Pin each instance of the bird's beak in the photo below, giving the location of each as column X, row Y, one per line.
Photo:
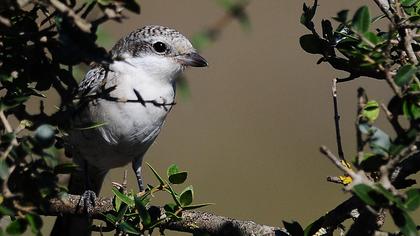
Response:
column 192, row 59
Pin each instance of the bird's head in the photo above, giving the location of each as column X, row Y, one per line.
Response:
column 158, row 50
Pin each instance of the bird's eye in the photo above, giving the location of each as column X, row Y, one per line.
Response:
column 159, row 47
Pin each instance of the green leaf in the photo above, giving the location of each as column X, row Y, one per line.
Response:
column 4, row 211
column 127, row 228
column 170, row 207
column 411, row 109
column 404, row 222
column 294, row 228
column 365, row 193
column 111, row 218
column 121, row 212
column 408, row 3
column 161, row 181
column 187, row 196
column 17, row 226
column 172, row 169
column 195, row 206
column 311, row 229
column 142, row 210
column 341, row 16
column 35, row 222
column 308, row 14
column 178, row 178
column 124, row 198
column 174, row 195
column 312, row 44
column 371, row 110
column 361, row 20
column 413, row 199
column 132, row 6
column 405, row 74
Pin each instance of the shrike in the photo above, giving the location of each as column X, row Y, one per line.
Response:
column 129, row 99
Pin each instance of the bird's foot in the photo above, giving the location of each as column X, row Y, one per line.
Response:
column 87, row 202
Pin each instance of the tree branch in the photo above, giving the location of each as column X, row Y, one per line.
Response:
column 192, row 221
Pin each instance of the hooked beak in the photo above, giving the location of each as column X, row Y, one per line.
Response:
column 192, row 59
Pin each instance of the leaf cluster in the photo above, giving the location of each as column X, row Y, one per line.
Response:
column 355, row 44
column 133, row 213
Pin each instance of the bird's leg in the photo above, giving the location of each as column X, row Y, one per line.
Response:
column 136, row 163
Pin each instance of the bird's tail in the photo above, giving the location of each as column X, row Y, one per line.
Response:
column 85, row 178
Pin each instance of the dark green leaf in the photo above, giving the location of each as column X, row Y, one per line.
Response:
column 404, row 222
column 361, row 20
column 411, row 109
column 308, row 14
column 35, row 222
column 111, row 218
column 132, row 6
column 161, row 181
column 142, row 210
column 294, row 228
column 341, row 16
column 312, row 44
column 178, row 178
column 127, row 228
column 174, row 195
column 413, row 199
column 121, row 212
column 365, row 193
column 170, row 207
column 4, row 211
column 186, row 197
column 124, row 198
column 17, row 226
column 405, row 74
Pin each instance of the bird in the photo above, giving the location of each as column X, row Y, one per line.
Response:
column 126, row 101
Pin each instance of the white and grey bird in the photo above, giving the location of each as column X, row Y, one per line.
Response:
column 131, row 98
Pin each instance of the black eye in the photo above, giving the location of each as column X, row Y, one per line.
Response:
column 159, row 47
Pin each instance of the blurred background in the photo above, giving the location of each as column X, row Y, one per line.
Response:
column 250, row 130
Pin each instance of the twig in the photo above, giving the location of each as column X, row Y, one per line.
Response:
column 80, row 22
column 324, row 150
column 385, row 8
column 391, row 82
column 405, row 33
column 393, row 120
column 361, row 102
column 337, row 121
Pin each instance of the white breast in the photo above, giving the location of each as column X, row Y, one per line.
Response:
column 129, row 127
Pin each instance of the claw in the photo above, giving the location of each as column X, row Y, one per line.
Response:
column 87, row 202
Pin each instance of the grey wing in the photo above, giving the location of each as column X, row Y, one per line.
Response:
column 93, row 81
